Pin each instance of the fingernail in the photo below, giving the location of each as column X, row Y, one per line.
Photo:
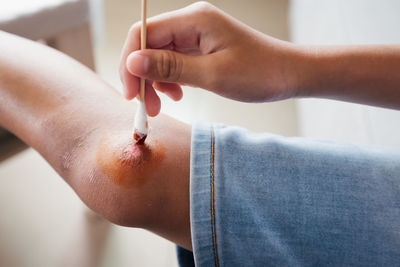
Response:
column 137, row 64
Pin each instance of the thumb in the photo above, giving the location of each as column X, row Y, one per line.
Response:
column 168, row 66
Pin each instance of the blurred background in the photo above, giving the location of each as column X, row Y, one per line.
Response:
column 43, row 223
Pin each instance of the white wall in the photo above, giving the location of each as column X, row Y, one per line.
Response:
column 347, row 22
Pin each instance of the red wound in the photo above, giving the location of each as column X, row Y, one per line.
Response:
column 139, row 138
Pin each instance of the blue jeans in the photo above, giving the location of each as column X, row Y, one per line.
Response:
column 266, row 200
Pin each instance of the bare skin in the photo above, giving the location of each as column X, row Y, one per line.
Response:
column 83, row 128
column 204, row 47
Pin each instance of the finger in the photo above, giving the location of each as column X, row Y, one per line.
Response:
column 129, row 82
column 132, row 43
column 172, row 67
column 152, row 100
column 172, row 90
column 169, row 28
column 131, row 85
column 180, row 27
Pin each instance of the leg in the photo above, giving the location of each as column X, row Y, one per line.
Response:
column 83, row 128
column 77, row 43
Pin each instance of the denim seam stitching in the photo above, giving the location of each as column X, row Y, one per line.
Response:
column 212, row 197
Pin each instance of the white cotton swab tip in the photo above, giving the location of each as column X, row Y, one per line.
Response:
column 141, row 124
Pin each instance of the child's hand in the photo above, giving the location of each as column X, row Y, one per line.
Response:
column 201, row 46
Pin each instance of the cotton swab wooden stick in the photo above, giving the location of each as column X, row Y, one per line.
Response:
column 141, row 124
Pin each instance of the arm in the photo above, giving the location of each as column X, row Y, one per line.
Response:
column 202, row 46
column 365, row 74
column 83, row 128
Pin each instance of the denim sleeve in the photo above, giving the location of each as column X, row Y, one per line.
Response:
column 265, row 200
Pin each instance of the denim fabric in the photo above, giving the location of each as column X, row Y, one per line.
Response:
column 266, row 200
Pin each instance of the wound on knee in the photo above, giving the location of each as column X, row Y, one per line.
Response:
column 126, row 163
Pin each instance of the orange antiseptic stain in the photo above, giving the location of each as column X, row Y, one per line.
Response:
column 126, row 163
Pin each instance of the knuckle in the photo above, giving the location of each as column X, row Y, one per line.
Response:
column 169, row 66
column 202, row 12
column 203, row 6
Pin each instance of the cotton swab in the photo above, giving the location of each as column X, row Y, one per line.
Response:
column 141, row 124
